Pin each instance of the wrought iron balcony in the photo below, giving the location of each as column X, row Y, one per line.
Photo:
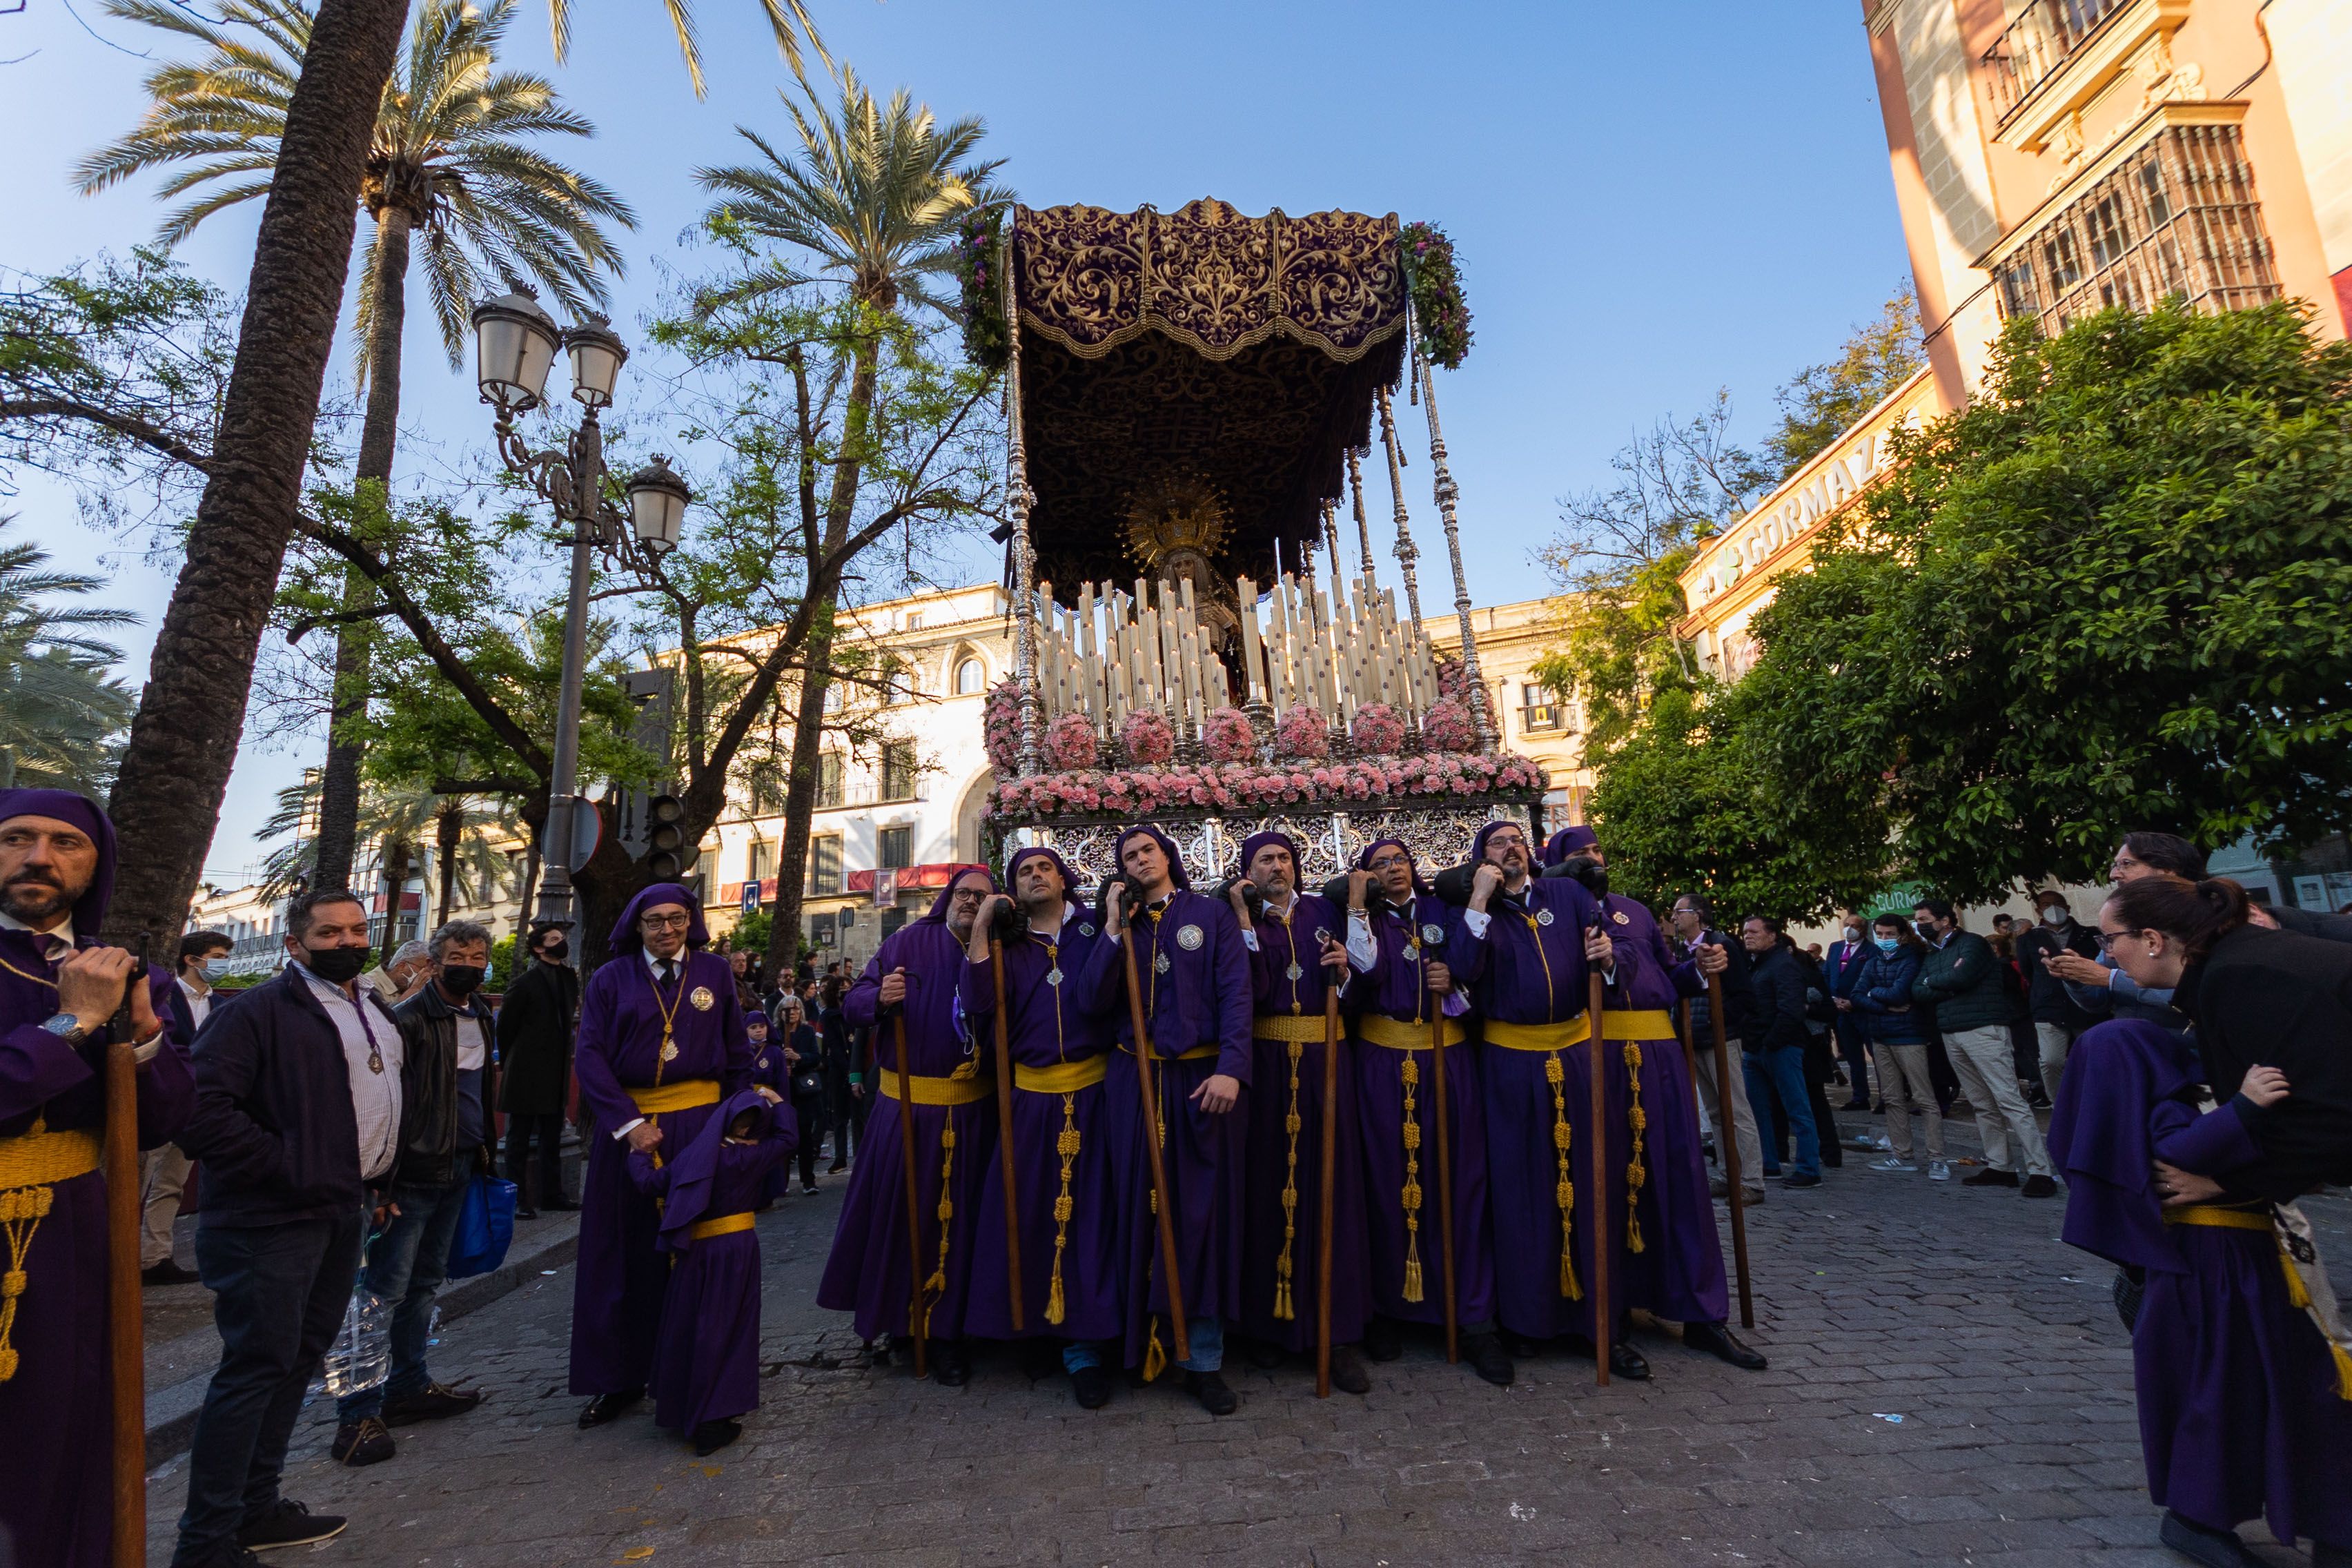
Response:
column 2036, row 43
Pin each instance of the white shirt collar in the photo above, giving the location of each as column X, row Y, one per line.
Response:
column 678, row 958
column 47, row 939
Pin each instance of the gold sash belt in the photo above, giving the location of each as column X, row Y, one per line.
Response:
column 1062, row 1078
column 2227, row 1220
column 1380, row 1029
column 686, row 1094
column 725, row 1225
column 1537, row 1036
column 1198, row 1053
column 1289, row 1027
column 31, row 1166
column 45, row 1159
column 938, row 1090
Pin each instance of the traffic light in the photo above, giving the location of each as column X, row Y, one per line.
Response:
column 668, row 854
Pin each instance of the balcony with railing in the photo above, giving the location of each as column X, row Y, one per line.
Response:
column 2036, row 42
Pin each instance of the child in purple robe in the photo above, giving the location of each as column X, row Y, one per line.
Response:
column 706, row 1355
column 769, row 1072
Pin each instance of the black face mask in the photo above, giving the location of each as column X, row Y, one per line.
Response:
column 556, row 952
column 462, row 979
column 336, row 966
column 1588, row 874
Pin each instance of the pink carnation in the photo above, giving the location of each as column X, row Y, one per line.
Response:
column 1302, row 734
column 1070, row 743
column 1226, row 736
column 1147, row 738
column 1378, row 731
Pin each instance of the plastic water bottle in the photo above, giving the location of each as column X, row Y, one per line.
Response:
column 362, row 1354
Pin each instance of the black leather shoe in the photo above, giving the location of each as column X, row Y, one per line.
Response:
column 713, row 1436
column 609, row 1407
column 2040, row 1187
column 1988, row 1177
column 287, row 1523
column 951, row 1363
column 1717, row 1340
column 1347, row 1375
column 1627, row 1362
column 1486, row 1358
column 1210, row 1389
column 1090, row 1387
column 431, row 1403
column 1798, row 1179
column 1384, row 1339
column 361, row 1443
column 524, row 1212
column 168, row 1273
column 2201, row 1543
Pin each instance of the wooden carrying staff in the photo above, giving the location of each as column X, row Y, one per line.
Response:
column 1151, row 1146
column 1604, row 1320
column 914, row 1204
column 1727, row 1130
column 126, row 1335
column 1323, row 1206
column 1444, row 1169
column 1005, row 1139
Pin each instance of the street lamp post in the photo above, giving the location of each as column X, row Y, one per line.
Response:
column 515, row 344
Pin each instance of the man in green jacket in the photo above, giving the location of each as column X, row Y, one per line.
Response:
column 1960, row 978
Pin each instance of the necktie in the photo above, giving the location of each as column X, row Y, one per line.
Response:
column 668, row 971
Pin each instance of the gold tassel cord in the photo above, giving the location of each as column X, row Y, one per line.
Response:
column 1637, row 1120
column 1555, row 1075
column 1413, row 1288
column 1284, row 1301
column 937, row 1285
column 1155, row 1355
column 1066, row 1146
column 21, row 1213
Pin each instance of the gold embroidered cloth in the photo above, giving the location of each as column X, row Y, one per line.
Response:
column 1206, row 345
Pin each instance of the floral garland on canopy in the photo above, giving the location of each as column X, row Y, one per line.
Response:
column 987, row 340
column 1229, row 786
column 1440, row 315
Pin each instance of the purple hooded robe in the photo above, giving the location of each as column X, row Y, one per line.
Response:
column 56, row 1440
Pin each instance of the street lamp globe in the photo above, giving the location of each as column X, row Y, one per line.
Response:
column 514, row 345
column 658, row 499
column 596, row 353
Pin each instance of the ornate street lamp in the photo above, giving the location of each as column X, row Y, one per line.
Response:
column 515, row 343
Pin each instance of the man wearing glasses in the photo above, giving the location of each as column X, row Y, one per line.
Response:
column 661, row 1043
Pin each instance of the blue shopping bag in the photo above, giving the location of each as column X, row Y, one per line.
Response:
column 485, row 1228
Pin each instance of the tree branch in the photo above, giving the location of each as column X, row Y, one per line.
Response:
column 152, row 437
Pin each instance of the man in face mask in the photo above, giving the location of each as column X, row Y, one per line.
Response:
column 297, row 1126
column 163, row 1173
column 445, row 1137
column 1841, row 968
column 535, row 1062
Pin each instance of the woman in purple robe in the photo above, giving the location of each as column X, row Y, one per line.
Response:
column 57, row 874
column 1295, row 959
column 1193, row 973
column 1069, row 1259
column 661, row 1045
column 913, row 978
column 1397, row 945
column 707, row 1362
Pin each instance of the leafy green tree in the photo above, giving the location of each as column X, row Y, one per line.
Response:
column 61, row 714
column 1821, row 402
column 2109, row 595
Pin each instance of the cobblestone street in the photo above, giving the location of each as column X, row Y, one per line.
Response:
column 1948, row 1384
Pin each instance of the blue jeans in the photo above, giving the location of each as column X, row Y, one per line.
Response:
column 1776, row 1082
column 278, row 1294
column 1206, row 1336
column 406, row 1262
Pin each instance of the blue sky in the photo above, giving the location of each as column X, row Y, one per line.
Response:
column 1649, row 200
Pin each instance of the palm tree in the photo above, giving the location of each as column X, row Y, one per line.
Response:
column 183, row 737
column 468, row 834
column 873, row 197
column 446, row 161
column 61, row 715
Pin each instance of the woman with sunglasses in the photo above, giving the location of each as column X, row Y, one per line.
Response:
column 2241, row 1365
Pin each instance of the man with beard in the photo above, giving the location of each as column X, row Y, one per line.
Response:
column 1295, row 958
column 914, row 977
column 1524, row 946
column 1397, row 935
column 1192, row 971
column 661, row 1044
column 61, row 992
column 1069, row 1263
column 1669, row 1258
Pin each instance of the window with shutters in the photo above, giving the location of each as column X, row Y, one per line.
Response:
column 824, row 864
column 828, row 778
column 895, row 847
column 899, row 770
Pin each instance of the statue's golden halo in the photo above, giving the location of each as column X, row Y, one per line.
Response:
column 1174, row 513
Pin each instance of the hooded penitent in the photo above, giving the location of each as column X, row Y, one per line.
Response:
column 625, row 936
column 65, row 806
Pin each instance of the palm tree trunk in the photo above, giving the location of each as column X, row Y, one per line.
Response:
column 783, row 953
column 338, row 784
column 183, row 742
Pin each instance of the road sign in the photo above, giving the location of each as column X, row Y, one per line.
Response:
column 587, row 831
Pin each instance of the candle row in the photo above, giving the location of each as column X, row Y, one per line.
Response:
column 1338, row 652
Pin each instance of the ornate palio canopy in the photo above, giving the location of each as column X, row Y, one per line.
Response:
column 1200, row 356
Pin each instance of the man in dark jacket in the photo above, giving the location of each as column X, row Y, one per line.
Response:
column 1774, row 1050
column 298, row 1111
column 1841, row 968
column 535, row 1021
column 446, row 1138
column 1692, row 919
column 2056, row 1018
column 1960, row 979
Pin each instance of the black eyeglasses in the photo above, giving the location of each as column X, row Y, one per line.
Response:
column 2108, row 939
column 665, row 923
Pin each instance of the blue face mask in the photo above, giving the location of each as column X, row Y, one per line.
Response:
column 216, row 968
column 1886, row 943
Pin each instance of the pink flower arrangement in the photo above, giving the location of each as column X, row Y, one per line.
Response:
column 1226, row 736
column 1378, row 731
column 1233, row 785
column 1147, row 739
column 1452, row 678
column 1448, row 727
column 1070, row 743
column 1302, row 734
column 1000, row 727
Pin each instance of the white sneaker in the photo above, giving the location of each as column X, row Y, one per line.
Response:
column 1892, row 1163
column 1938, row 1172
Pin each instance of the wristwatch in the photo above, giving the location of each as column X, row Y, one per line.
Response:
column 66, row 1027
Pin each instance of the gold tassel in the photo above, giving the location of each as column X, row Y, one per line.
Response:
column 1285, row 1309
column 2297, row 1295
column 1412, row 1195
column 21, row 1211
column 1555, row 1075
column 1155, row 1358
column 1637, row 1172
column 937, row 1285
column 2343, row 1371
column 1066, row 1146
